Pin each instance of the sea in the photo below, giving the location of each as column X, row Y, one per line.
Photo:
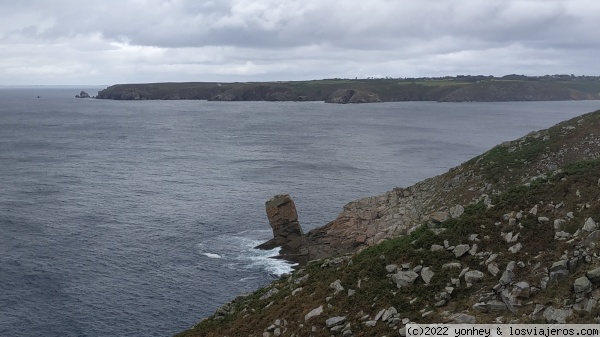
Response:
column 139, row 218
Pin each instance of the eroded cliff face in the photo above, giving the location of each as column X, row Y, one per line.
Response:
column 372, row 220
column 345, row 96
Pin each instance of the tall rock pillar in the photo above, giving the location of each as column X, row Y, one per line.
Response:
column 287, row 232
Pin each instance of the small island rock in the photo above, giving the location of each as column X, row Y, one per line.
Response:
column 83, row 94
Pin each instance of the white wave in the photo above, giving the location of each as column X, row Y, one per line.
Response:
column 265, row 259
column 212, row 255
column 241, row 254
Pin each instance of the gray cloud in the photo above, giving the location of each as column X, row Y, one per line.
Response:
column 178, row 40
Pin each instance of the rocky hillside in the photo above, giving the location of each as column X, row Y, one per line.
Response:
column 509, row 236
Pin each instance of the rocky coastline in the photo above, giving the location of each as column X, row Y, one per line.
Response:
column 509, row 236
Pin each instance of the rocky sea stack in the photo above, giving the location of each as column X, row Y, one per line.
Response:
column 511, row 236
column 83, row 94
column 287, row 232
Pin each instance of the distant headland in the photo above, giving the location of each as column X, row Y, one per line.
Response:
column 462, row 88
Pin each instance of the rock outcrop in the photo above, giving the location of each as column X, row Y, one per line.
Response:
column 83, row 94
column 287, row 232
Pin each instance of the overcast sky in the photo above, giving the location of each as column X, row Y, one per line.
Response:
column 131, row 41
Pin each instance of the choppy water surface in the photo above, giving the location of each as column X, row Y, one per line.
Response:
column 139, row 218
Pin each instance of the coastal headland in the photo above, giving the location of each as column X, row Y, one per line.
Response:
column 372, row 90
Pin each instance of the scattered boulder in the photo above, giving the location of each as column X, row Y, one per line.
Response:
column 554, row 316
column 314, row 313
column 473, row 276
column 404, row 278
column 559, row 271
column 461, row 318
column 594, row 276
column 461, row 250
column 333, row 321
column 490, row 306
column 507, row 277
column 515, row 248
column 590, row 225
column 439, row 217
column 582, row 286
column 456, row 211
column 391, row 268
column 436, row 248
column 493, row 269
column 336, row 286
column 591, row 240
column 521, row 290
column 268, row 294
column 388, row 313
column 427, row 274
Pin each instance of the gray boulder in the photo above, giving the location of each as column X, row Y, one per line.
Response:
column 507, row 277
column 404, row 278
column 427, row 274
column 333, row 321
column 461, row 250
column 582, row 286
column 554, row 316
column 515, row 248
column 314, row 313
column 591, row 239
column 473, row 276
column 435, row 248
column 493, row 269
column 389, row 313
column 336, row 286
column 461, row 318
column 590, row 225
column 521, row 290
column 390, row 268
column 594, row 275
column 559, row 271
column 456, row 211
column 490, row 306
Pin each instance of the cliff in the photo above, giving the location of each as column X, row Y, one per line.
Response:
column 447, row 89
column 509, row 236
column 344, row 96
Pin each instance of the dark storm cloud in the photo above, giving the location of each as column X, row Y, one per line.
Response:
column 143, row 40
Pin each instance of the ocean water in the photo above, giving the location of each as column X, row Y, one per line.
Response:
column 139, row 218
